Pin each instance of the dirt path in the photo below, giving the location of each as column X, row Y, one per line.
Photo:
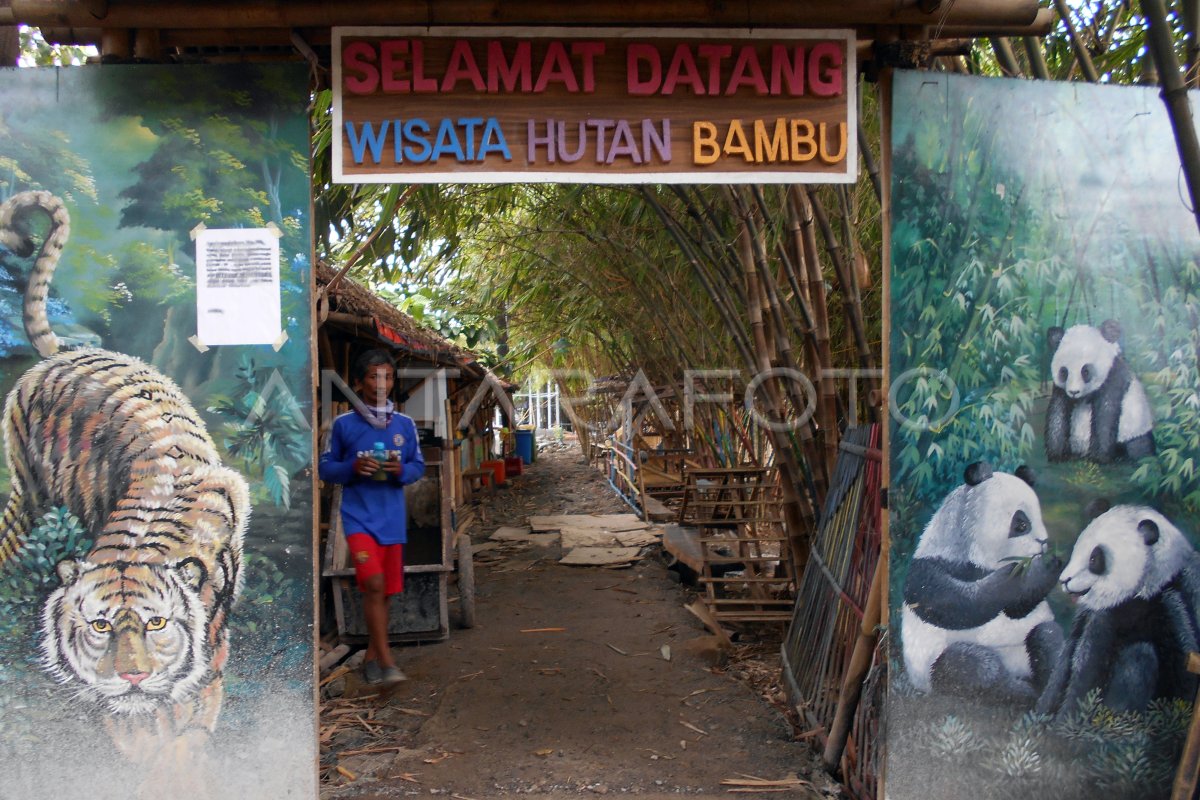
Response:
column 593, row 708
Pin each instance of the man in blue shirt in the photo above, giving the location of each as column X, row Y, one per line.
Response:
column 374, row 452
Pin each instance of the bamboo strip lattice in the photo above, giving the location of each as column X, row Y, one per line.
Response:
column 832, row 595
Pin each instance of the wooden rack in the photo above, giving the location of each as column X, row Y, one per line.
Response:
column 746, row 569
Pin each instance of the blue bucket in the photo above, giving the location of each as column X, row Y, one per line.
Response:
column 525, row 445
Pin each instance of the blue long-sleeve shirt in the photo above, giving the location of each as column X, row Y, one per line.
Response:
column 368, row 505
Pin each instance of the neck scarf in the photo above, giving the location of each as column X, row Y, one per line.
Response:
column 378, row 417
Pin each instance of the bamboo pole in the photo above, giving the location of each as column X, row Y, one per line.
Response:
column 809, row 276
column 864, row 150
column 1082, row 56
column 1037, row 57
column 786, row 359
column 850, row 299
column 856, row 673
column 806, row 331
column 1187, row 774
column 1042, row 25
column 1191, row 26
column 1174, row 94
column 789, row 473
column 1006, row 57
column 885, row 167
column 312, row 13
column 813, row 272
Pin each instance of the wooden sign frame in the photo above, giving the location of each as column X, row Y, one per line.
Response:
column 594, row 105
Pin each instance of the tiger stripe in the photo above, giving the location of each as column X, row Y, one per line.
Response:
column 119, row 445
column 37, row 325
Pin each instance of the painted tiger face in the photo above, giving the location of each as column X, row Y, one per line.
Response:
column 128, row 636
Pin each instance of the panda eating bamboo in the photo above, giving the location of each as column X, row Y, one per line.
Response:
column 975, row 618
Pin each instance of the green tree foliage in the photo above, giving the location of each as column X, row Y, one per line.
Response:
column 1111, row 34
column 1168, row 297
column 962, row 310
column 265, row 429
column 29, row 576
column 36, row 52
column 224, row 168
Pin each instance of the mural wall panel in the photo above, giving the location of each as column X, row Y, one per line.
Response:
column 156, row 574
column 1045, row 442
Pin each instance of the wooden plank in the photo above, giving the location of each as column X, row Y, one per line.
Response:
column 655, row 510
column 684, row 544
column 733, row 601
column 736, row 539
column 704, row 614
column 337, row 555
column 591, row 537
column 744, row 579
column 332, row 657
column 599, row 556
column 607, row 522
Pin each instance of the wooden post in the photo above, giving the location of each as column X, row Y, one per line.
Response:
column 856, row 673
column 10, row 41
column 147, row 45
column 886, row 76
column 1187, row 775
column 116, row 44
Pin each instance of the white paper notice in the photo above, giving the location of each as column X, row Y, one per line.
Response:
column 237, row 286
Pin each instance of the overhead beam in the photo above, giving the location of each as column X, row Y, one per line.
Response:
column 282, row 37
column 1041, row 25
column 234, row 14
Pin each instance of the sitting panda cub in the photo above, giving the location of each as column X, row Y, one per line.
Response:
column 975, row 618
column 1136, row 581
column 1098, row 409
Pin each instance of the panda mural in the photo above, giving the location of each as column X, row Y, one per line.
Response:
column 1136, row 580
column 1098, row 409
column 975, row 618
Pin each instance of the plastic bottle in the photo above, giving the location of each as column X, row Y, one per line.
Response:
column 379, row 453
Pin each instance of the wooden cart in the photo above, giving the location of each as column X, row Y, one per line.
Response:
column 436, row 555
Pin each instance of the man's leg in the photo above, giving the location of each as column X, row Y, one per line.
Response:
column 375, row 612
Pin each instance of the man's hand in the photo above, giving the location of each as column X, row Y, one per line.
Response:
column 365, row 466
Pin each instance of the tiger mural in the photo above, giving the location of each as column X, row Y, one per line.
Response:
column 139, row 624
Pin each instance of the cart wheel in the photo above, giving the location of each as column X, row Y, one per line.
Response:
column 466, row 581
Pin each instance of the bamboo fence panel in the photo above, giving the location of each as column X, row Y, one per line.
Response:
column 832, row 595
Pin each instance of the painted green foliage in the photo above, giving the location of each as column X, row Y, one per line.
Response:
column 159, row 154
column 1018, row 206
column 1010, row 219
column 141, row 156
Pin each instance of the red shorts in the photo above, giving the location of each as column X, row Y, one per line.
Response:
column 372, row 558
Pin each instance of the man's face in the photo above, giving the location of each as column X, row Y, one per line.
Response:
column 377, row 385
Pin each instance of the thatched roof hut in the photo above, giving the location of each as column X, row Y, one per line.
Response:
column 343, row 303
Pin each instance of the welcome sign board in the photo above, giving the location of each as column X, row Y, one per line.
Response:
column 424, row 105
